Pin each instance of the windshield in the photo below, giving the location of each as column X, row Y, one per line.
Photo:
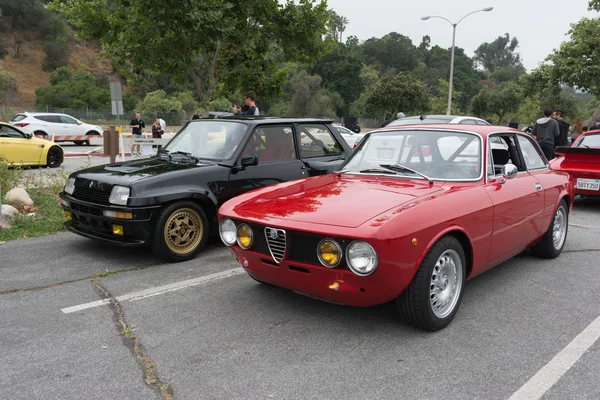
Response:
column 213, row 140
column 439, row 155
column 590, row 140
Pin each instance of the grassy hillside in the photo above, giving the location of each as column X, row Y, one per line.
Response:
column 27, row 68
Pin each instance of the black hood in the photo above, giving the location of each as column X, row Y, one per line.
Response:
column 129, row 172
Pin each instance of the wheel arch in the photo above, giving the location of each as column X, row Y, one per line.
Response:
column 207, row 203
column 464, row 240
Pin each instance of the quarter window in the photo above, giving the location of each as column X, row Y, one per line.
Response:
column 317, row 141
column 532, row 157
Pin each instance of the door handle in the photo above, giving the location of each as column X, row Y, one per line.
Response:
column 538, row 186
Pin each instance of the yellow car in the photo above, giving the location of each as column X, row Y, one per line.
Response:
column 24, row 149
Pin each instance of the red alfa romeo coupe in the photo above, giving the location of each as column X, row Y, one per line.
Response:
column 396, row 223
column 582, row 161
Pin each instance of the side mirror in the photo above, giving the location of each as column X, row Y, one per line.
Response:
column 29, row 135
column 79, row 123
column 248, row 161
column 509, row 171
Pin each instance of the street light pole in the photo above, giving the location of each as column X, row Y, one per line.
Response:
column 448, row 111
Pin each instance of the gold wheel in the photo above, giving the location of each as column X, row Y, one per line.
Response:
column 183, row 231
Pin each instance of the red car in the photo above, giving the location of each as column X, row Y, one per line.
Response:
column 398, row 225
column 582, row 161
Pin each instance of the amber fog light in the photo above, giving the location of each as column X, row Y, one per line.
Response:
column 245, row 236
column 329, row 253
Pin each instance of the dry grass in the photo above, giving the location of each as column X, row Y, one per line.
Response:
column 28, row 67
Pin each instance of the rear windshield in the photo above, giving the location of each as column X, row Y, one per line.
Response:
column 18, row 118
column 418, row 121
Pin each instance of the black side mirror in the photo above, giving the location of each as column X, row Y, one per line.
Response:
column 248, row 161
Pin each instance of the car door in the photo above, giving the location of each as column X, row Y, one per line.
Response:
column 538, row 168
column 518, row 202
column 277, row 160
column 69, row 126
column 17, row 148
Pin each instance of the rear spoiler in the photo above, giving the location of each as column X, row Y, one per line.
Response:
column 578, row 150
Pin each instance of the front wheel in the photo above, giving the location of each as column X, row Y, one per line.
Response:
column 55, row 157
column 553, row 242
column 433, row 297
column 181, row 232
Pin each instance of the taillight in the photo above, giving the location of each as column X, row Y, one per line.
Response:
column 22, row 124
column 354, row 146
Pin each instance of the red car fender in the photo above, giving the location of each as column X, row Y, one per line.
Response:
column 441, row 234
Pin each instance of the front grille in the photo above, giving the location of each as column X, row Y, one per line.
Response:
column 91, row 195
column 276, row 241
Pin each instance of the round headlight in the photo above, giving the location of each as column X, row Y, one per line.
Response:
column 329, row 253
column 361, row 258
column 227, row 231
column 245, row 237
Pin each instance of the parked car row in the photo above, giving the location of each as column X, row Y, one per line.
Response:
column 408, row 216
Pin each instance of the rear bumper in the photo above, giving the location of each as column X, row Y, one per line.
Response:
column 89, row 221
column 314, row 281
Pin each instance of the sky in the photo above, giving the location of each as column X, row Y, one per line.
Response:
column 539, row 25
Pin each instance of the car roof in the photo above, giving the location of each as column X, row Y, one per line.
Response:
column 266, row 120
column 442, row 117
column 483, row 130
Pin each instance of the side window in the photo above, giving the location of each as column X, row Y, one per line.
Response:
column 468, row 122
column 490, row 161
column 271, row 144
column 533, row 159
column 316, row 141
column 10, row 132
column 504, row 151
column 67, row 120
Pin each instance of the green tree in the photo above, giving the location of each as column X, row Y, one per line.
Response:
column 393, row 51
column 205, row 41
column 158, row 104
column 577, row 61
column 340, row 69
column 310, row 100
column 7, row 82
column 439, row 103
column 499, row 101
column 498, row 54
column 402, row 92
column 80, row 90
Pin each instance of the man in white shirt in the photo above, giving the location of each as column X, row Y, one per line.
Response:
column 163, row 124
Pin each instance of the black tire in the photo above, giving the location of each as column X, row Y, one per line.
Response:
column 54, row 158
column 415, row 304
column 165, row 245
column 79, row 142
column 546, row 248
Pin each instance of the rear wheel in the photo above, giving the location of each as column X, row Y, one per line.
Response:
column 553, row 242
column 181, row 232
column 433, row 297
column 55, row 157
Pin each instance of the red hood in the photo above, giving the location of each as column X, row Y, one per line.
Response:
column 345, row 201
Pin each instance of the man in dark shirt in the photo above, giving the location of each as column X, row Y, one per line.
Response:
column 137, row 126
column 563, row 139
column 249, row 98
column 546, row 132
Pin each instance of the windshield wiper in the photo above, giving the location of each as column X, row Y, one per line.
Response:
column 402, row 168
column 377, row 170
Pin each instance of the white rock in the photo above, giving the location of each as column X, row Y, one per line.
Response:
column 7, row 217
column 18, row 197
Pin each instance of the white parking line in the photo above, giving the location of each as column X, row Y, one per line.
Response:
column 585, row 226
column 158, row 290
column 541, row 382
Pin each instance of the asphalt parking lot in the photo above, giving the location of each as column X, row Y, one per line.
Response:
column 83, row 319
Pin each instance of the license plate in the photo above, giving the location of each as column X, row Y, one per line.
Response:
column 588, row 184
column 385, row 153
